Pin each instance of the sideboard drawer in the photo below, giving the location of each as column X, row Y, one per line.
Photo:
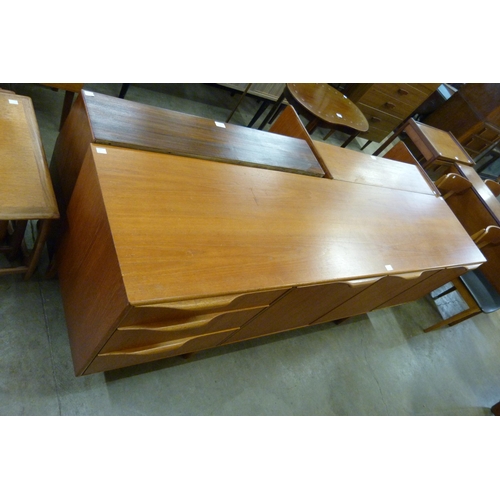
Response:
column 120, row 358
column 139, row 336
column 392, row 105
column 185, row 309
column 403, row 92
column 381, row 123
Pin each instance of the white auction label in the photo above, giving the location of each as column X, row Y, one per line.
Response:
column 101, row 151
column 220, row 124
column 13, row 101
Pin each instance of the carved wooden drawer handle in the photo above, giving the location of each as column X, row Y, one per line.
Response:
column 198, row 304
column 188, row 325
column 402, row 92
column 389, row 105
column 375, row 119
column 156, row 349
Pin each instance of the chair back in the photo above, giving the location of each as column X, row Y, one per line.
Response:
column 450, row 184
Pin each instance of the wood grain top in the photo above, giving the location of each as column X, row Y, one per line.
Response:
column 353, row 166
column 444, row 143
column 25, row 187
column 181, row 235
column 129, row 124
column 328, row 104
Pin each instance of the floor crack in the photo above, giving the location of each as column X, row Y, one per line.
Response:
column 46, row 320
column 374, row 376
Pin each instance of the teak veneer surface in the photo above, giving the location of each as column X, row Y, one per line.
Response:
column 125, row 123
column 178, row 234
column 443, row 142
column 353, row 166
column 25, row 187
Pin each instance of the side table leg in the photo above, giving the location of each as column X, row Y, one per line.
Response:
column 349, row 139
column 257, row 115
column 38, row 247
column 311, row 126
column 273, row 110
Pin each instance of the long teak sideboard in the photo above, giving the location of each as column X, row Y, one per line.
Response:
column 166, row 255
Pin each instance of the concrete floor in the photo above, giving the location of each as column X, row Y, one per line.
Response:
column 376, row 364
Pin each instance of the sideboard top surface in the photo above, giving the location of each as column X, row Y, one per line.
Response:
column 184, row 227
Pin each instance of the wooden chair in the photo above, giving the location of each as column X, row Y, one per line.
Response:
column 477, row 292
column 451, row 184
column 494, row 186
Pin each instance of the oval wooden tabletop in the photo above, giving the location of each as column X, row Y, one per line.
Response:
column 329, row 105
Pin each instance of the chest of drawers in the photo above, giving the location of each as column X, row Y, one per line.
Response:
column 387, row 105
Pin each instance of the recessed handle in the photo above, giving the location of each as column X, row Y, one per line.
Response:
column 402, row 92
column 156, row 349
column 188, row 325
column 198, row 304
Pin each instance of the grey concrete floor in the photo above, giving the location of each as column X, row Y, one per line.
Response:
column 376, row 364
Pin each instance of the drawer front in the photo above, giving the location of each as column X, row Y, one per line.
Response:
column 135, row 337
column 381, row 291
column 391, row 105
column 381, row 124
column 423, row 287
column 300, row 307
column 128, row 357
column 403, row 92
column 185, row 309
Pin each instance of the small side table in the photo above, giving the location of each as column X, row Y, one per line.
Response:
column 435, row 145
column 323, row 105
column 26, row 191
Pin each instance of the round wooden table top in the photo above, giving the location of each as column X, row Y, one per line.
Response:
column 328, row 105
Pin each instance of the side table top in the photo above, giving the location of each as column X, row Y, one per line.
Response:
column 444, row 143
column 329, row 105
column 25, row 187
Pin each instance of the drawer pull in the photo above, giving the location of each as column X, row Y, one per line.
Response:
column 375, row 119
column 361, row 282
column 402, row 92
column 389, row 105
column 156, row 349
column 188, row 325
column 198, row 304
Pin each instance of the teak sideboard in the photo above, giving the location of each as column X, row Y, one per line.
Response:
column 167, row 255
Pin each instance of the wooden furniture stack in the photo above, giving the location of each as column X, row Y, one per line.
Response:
column 387, row 105
column 26, row 192
column 472, row 115
column 168, row 254
column 432, row 146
